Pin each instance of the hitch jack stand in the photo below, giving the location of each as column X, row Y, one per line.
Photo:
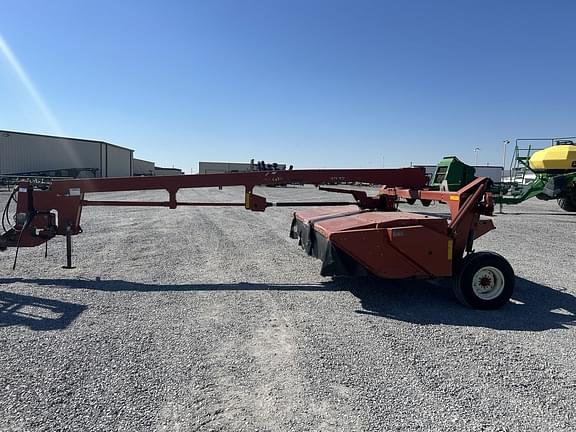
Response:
column 68, row 248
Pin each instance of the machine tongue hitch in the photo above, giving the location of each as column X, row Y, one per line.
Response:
column 42, row 212
column 369, row 237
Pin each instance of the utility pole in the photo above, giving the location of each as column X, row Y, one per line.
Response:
column 476, row 151
column 500, row 192
column 506, row 142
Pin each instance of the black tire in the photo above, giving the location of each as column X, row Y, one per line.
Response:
column 411, row 201
column 479, row 268
column 568, row 203
column 426, row 203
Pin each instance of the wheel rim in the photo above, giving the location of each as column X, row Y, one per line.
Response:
column 488, row 283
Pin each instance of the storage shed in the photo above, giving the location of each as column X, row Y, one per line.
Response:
column 33, row 154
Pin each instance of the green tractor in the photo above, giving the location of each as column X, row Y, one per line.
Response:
column 548, row 173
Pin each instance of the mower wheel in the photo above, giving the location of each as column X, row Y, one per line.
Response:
column 425, row 202
column 485, row 281
column 411, row 201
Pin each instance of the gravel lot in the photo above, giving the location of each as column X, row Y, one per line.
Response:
column 213, row 319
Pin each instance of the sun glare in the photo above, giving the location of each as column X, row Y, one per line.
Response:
column 17, row 68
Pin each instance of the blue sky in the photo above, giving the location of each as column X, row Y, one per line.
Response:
column 314, row 83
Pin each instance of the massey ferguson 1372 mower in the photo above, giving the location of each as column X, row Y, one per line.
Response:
column 366, row 236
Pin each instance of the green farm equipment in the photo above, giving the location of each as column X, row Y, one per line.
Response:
column 545, row 173
column 451, row 174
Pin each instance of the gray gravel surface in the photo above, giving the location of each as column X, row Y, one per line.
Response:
column 200, row 319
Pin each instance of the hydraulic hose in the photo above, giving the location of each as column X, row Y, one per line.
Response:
column 6, row 212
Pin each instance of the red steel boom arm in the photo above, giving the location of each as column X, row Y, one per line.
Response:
column 42, row 213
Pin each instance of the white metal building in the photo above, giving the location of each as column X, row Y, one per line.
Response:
column 492, row 172
column 142, row 167
column 222, row 167
column 233, row 167
column 32, row 153
column 159, row 171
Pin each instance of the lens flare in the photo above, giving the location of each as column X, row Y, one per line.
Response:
column 29, row 85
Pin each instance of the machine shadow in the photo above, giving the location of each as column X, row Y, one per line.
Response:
column 534, row 307
column 36, row 313
column 536, row 214
column 122, row 285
